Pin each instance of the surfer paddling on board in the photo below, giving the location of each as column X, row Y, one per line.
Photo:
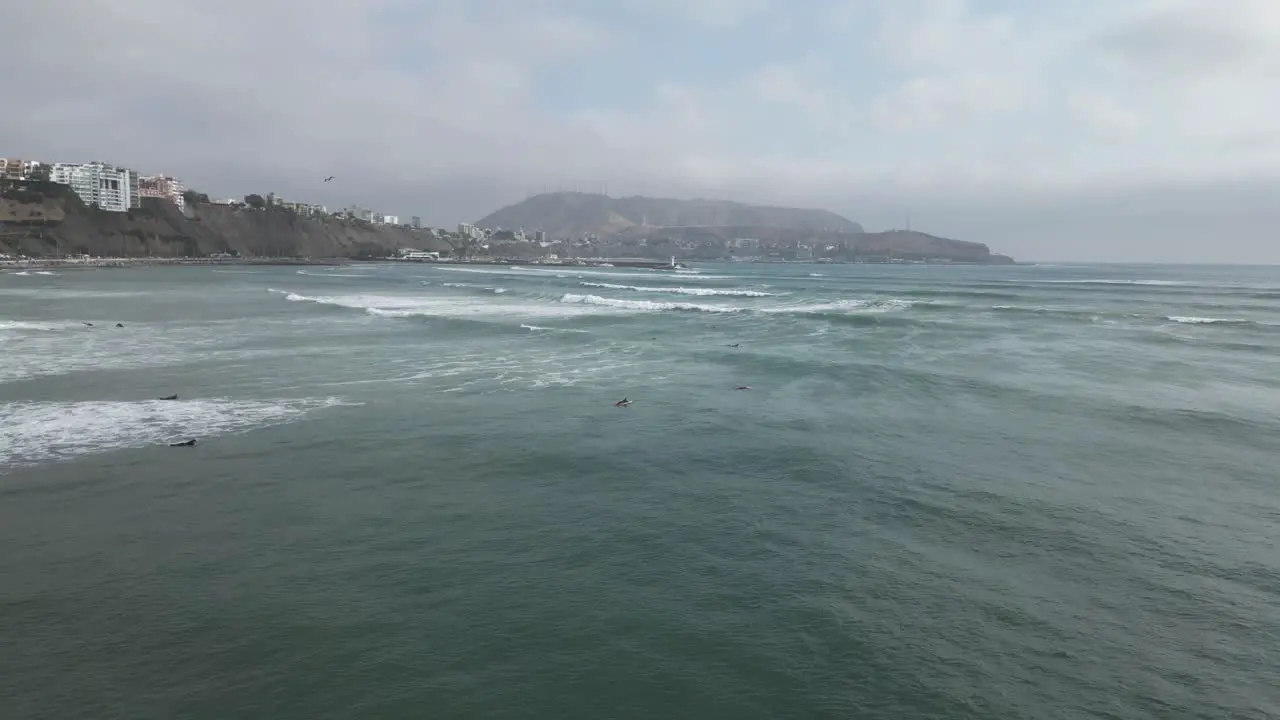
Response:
column 743, row 387
column 622, row 403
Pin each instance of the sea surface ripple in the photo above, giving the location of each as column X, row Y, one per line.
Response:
column 964, row 492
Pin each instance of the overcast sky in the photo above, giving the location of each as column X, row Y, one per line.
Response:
column 1115, row 130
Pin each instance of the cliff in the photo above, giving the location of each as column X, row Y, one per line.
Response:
column 571, row 214
column 42, row 219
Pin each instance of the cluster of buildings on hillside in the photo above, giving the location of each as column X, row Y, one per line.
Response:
column 118, row 189
column 109, row 187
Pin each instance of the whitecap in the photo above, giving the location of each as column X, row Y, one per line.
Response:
column 33, row 432
column 680, row 290
column 646, row 305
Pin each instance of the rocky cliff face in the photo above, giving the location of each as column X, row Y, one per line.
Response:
column 42, row 219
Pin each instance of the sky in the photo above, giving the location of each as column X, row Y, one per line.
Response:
column 1077, row 130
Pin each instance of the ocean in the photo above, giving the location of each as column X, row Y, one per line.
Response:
column 950, row 492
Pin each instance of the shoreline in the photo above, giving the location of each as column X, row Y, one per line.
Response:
column 100, row 263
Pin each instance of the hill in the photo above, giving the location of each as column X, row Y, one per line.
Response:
column 43, row 219
column 724, row 242
column 572, row 214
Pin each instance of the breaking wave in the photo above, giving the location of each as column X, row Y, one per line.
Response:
column 679, row 290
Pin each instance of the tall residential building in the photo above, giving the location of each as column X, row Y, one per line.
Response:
column 164, row 187
column 416, row 222
column 110, row 187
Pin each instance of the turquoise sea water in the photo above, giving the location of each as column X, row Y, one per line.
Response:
column 952, row 492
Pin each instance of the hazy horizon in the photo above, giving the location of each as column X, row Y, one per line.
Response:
column 1061, row 132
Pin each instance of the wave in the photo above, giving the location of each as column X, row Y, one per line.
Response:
column 830, row 308
column 21, row 273
column 844, row 307
column 574, row 271
column 646, row 305
column 679, row 290
column 1189, row 320
column 407, row 306
column 539, row 328
column 486, row 288
column 1104, row 281
column 332, row 274
column 35, row 432
column 20, row 325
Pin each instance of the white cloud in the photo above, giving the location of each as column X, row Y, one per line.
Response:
column 717, row 14
column 866, row 106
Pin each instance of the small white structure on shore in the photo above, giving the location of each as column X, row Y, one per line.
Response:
column 410, row 254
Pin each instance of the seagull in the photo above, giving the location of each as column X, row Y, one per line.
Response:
column 328, row 178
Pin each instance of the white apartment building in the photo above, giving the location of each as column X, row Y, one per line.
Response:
column 163, row 187
column 111, row 188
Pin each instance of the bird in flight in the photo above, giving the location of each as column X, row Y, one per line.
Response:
column 328, row 178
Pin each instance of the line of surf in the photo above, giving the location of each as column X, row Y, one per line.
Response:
column 679, row 290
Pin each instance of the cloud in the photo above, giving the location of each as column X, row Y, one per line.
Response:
column 717, row 14
column 969, row 113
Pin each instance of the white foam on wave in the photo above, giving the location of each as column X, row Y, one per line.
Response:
column 539, row 328
column 331, row 274
column 404, row 306
column 24, row 325
column 646, row 305
column 1189, row 320
column 22, row 273
column 34, row 432
column 679, row 290
column 473, row 286
column 845, row 306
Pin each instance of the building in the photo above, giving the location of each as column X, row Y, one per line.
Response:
column 15, row 168
column 109, row 187
column 163, row 187
column 540, row 237
column 380, row 219
column 306, row 209
column 416, row 222
column 410, row 254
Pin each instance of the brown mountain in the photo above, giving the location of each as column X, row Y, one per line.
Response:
column 573, row 214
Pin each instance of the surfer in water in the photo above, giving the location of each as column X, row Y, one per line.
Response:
column 184, row 443
column 733, row 345
column 622, row 403
column 169, row 397
column 743, row 387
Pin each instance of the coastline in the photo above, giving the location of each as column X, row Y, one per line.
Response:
column 99, row 263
